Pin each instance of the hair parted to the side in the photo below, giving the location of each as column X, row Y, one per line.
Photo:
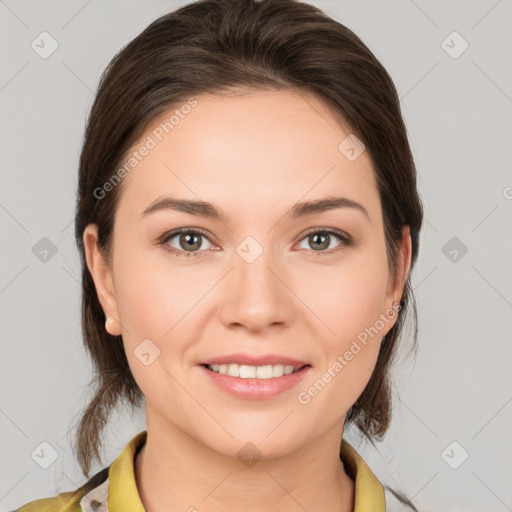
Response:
column 210, row 46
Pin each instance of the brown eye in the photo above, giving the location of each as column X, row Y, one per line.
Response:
column 190, row 241
column 321, row 240
column 185, row 242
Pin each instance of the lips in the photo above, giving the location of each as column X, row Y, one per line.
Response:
column 255, row 389
column 254, row 360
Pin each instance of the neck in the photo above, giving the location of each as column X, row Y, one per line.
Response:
column 175, row 472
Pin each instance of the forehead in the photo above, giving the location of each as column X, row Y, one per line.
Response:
column 251, row 150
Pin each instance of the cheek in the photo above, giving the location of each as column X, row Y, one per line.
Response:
column 161, row 301
column 350, row 303
column 349, row 298
column 152, row 306
column 153, row 292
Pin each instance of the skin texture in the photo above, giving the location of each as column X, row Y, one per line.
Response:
column 254, row 154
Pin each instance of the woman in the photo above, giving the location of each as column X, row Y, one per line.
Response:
column 247, row 219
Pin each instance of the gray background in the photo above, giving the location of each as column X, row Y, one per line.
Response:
column 458, row 114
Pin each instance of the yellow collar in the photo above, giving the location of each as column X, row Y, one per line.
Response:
column 369, row 493
column 123, row 495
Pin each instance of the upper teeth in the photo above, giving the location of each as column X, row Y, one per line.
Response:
column 245, row 371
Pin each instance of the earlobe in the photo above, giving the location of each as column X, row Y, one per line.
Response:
column 103, row 279
column 112, row 327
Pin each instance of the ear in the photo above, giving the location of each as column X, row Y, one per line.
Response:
column 396, row 288
column 103, row 279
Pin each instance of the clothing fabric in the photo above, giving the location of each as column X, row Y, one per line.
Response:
column 117, row 491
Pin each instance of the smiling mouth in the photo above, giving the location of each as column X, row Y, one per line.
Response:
column 244, row 371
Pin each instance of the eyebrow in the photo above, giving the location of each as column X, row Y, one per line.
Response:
column 206, row 209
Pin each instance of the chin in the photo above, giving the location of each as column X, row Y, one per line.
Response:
column 255, row 447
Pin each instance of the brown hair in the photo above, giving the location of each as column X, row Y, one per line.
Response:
column 206, row 47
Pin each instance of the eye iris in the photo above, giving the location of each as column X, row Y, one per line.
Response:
column 313, row 238
column 186, row 241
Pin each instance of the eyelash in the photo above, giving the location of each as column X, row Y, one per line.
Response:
column 345, row 239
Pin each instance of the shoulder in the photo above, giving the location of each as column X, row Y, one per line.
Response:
column 69, row 501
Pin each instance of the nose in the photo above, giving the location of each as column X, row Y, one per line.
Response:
column 255, row 294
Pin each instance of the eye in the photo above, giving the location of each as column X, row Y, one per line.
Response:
column 190, row 240
column 320, row 239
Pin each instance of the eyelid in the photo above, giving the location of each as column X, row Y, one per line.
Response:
column 173, row 232
column 342, row 234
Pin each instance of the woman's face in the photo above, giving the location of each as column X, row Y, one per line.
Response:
column 256, row 279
